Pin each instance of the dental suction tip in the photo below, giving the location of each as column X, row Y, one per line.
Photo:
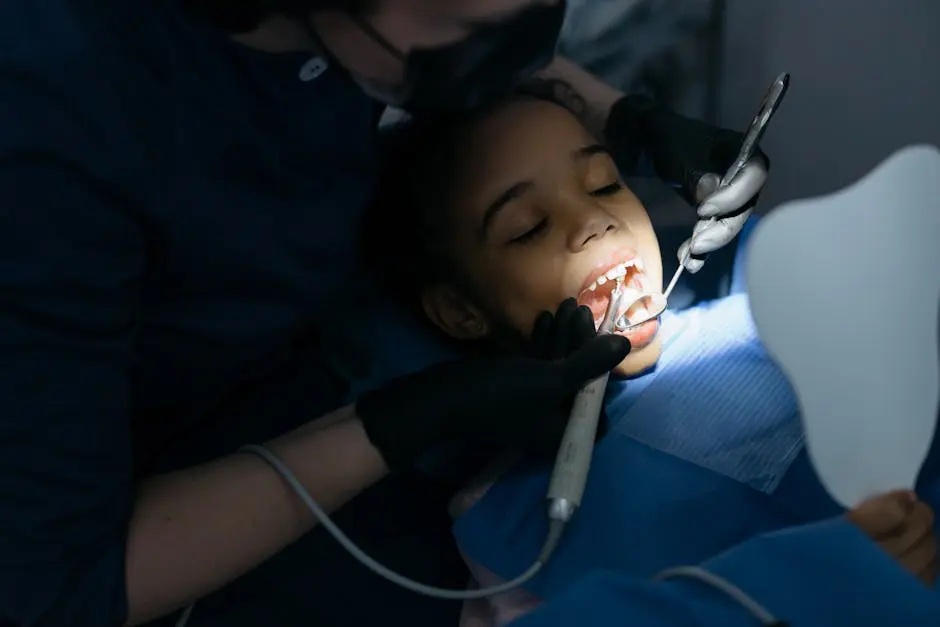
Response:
column 614, row 307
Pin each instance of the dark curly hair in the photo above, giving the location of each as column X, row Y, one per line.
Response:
column 404, row 237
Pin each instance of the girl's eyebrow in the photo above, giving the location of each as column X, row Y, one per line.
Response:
column 512, row 193
column 590, row 151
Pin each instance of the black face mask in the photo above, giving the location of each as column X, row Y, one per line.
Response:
column 490, row 62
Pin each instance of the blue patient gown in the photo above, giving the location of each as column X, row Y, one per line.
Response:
column 696, row 459
column 704, row 456
column 703, row 464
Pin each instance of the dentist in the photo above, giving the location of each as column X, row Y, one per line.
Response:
column 182, row 182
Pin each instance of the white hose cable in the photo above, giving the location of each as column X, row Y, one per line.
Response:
column 723, row 585
column 555, row 531
column 548, row 547
column 556, row 528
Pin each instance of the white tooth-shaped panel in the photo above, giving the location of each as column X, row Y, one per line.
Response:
column 845, row 291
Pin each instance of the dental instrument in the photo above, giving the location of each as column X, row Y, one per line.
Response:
column 658, row 303
column 569, row 478
column 574, row 460
column 755, row 132
column 569, row 475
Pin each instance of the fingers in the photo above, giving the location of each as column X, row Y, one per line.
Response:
column 742, row 189
column 718, row 234
column 904, row 528
column 562, row 328
column 598, row 356
column 542, row 335
column 916, row 526
column 883, row 515
column 710, row 236
column 706, row 186
column 582, row 329
column 921, row 560
column 692, row 265
column 555, row 336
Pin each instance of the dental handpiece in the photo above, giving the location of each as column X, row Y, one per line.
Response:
column 569, row 476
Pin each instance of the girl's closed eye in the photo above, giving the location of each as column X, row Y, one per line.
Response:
column 608, row 190
column 532, row 233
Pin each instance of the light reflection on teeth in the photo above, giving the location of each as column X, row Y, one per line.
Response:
column 618, row 271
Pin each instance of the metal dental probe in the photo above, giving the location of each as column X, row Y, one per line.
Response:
column 752, row 138
column 569, row 476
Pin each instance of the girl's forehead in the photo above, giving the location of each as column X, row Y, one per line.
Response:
column 517, row 134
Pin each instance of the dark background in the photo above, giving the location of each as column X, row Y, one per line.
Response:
column 865, row 75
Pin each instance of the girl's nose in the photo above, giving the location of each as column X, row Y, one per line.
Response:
column 590, row 225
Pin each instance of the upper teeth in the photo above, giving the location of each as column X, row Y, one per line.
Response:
column 617, row 272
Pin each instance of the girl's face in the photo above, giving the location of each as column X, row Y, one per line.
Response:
column 539, row 215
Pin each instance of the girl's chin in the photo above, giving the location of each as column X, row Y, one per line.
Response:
column 640, row 360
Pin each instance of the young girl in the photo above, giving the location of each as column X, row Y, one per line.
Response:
column 484, row 221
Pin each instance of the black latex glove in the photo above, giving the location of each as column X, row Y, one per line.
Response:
column 495, row 402
column 557, row 336
column 682, row 150
column 692, row 157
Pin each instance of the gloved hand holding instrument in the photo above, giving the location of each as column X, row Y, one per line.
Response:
column 498, row 402
column 526, row 401
column 510, row 402
column 687, row 154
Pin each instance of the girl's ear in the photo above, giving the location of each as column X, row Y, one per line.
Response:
column 453, row 314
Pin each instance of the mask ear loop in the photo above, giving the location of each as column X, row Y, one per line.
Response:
column 303, row 17
column 363, row 25
column 380, row 39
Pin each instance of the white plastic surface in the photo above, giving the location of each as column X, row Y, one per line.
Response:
column 845, row 292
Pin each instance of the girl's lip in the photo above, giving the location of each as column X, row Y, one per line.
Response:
column 641, row 336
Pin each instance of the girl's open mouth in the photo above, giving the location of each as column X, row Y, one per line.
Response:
column 596, row 296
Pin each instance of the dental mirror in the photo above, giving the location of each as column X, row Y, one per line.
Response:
column 644, row 307
column 845, row 293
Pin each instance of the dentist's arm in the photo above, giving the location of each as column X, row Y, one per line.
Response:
column 79, row 543
column 194, row 530
column 599, row 97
